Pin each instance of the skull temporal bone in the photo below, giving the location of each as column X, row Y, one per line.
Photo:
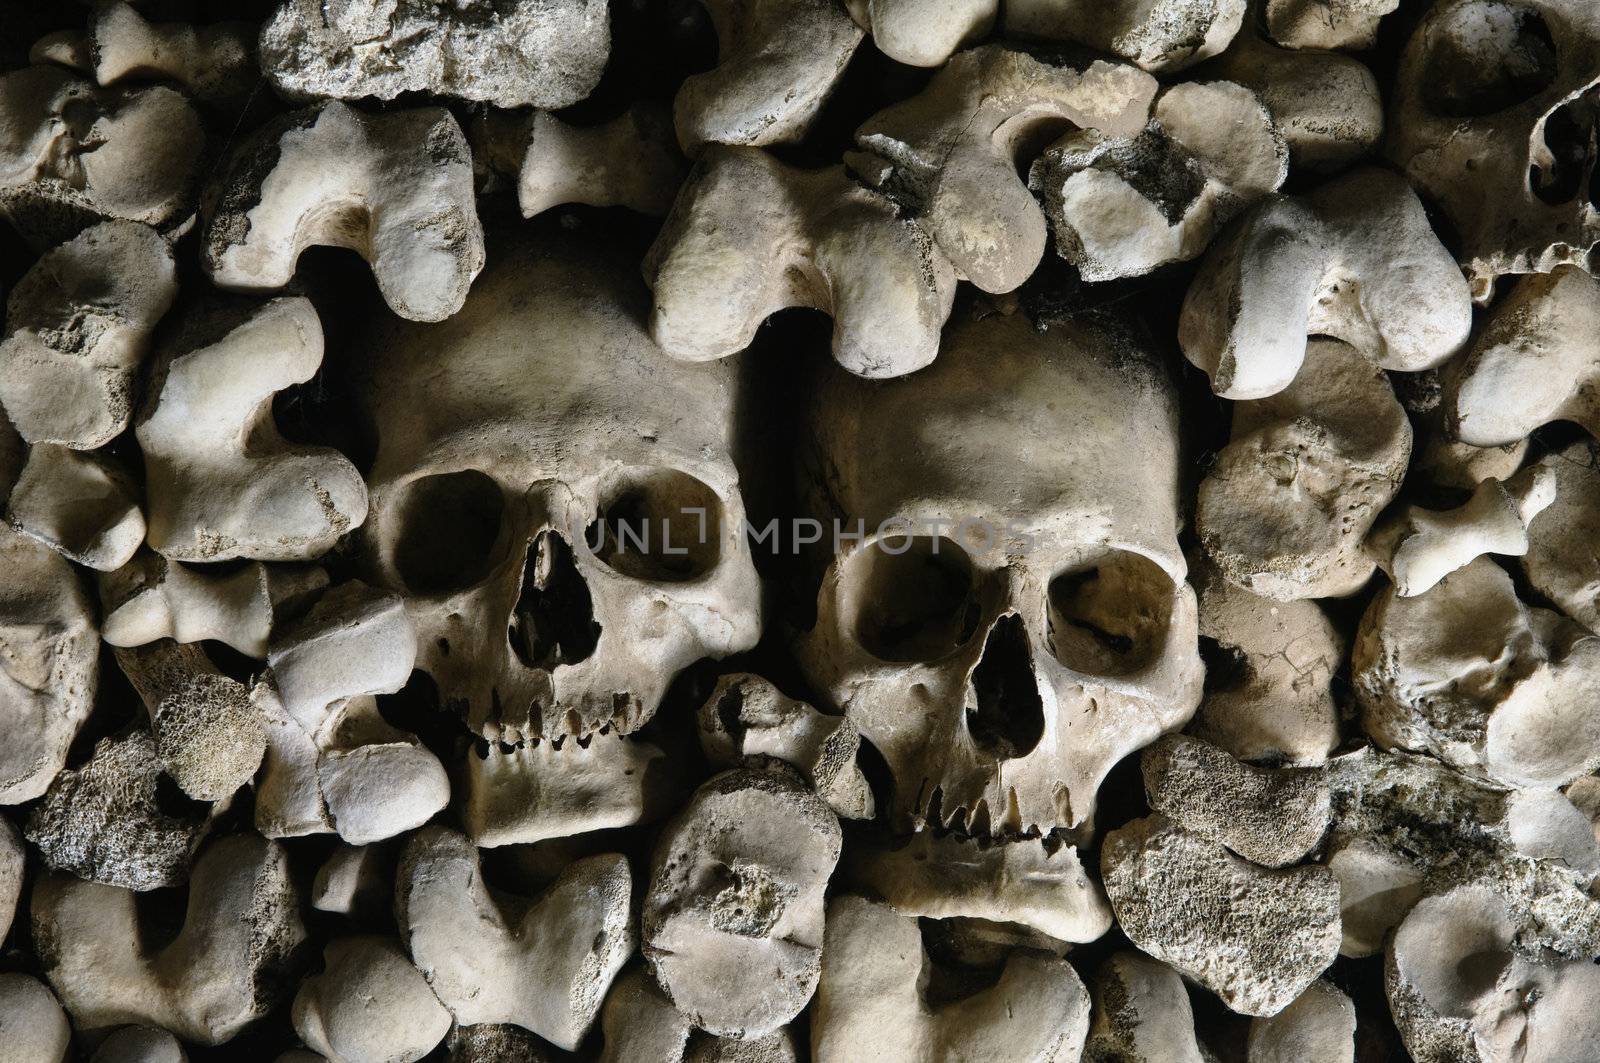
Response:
column 1002, row 676
column 514, row 438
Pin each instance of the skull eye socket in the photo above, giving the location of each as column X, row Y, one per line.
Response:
column 449, row 531
column 660, row 525
column 1486, row 56
column 1110, row 616
column 911, row 597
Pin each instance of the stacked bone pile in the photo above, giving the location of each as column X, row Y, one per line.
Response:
column 454, row 606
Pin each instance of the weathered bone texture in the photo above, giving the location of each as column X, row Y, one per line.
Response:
column 357, row 881
column 13, row 856
column 79, row 324
column 483, row 962
column 1468, row 672
column 1122, row 206
column 777, row 63
column 1272, row 816
column 1319, row 1027
column 32, row 1022
column 1141, row 1013
column 151, row 598
column 748, row 722
column 1270, row 697
column 749, row 236
column 1163, row 36
column 1286, row 508
column 72, row 154
column 84, row 506
column 641, row 1026
column 1489, row 115
column 369, row 1005
column 736, row 887
column 1355, row 260
column 1536, row 361
column 923, row 32
column 1418, row 547
column 1326, row 105
column 870, row 1003
column 213, row 63
column 949, row 155
column 396, row 188
column 540, row 53
column 209, row 735
column 1563, row 558
column 1047, row 596
column 1441, row 459
column 140, row 1044
column 225, row 969
column 1255, row 937
column 1022, row 882
column 1464, row 988
column 333, row 763
column 103, row 822
column 220, row 481
column 1351, row 24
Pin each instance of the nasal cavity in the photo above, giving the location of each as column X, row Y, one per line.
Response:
column 1008, row 718
column 553, row 623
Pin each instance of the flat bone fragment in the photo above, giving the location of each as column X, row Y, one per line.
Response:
column 1563, row 558
column 369, row 1005
column 949, row 155
column 220, row 481
column 79, row 324
column 1162, row 36
column 1123, row 206
column 749, row 236
column 1141, row 1013
column 1329, row 24
column 1356, row 260
column 1019, row 881
column 480, row 958
column 225, row 969
column 82, row 505
column 1319, row 1027
column 1419, row 547
column 13, row 857
column 396, row 188
column 1285, row 509
column 33, row 1027
column 356, row 881
column 640, row 1024
column 521, row 53
column 923, row 32
column 778, row 61
column 140, row 1044
column 151, row 598
column 1256, row 937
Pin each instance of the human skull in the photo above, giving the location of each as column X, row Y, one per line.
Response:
column 1494, row 115
column 1015, row 618
column 537, row 498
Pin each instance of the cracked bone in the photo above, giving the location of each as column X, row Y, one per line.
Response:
column 213, row 63
column 224, row 969
column 1272, row 698
column 82, row 505
column 749, row 236
column 1355, row 260
column 369, row 1005
column 1021, row 881
column 949, row 154
column 220, row 481
column 479, row 958
column 79, row 325
column 870, row 1003
column 33, row 1027
column 1468, row 672
column 1327, row 24
column 1419, row 547
column 151, row 598
column 1141, row 1013
column 540, row 53
column 72, row 154
column 1122, row 206
column 777, row 63
column 736, row 886
column 1319, row 1027
column 13, row 858
column 1256, row 937
column 923, row 32
column 1563, row 558
column 140, row 1044
column 748, row 722
column 1286, row 507
column 396, row 188
column 1162, row 36
column 1272, row 816
column 105, row 823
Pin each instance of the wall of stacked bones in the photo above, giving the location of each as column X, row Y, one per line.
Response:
column 763, row 530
